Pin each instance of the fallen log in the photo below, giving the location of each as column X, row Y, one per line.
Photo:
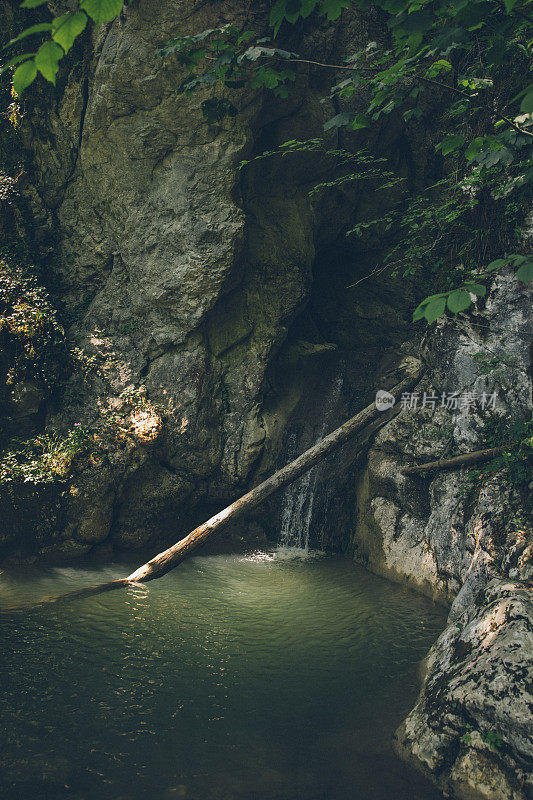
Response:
column 369, row 420
column 457, row 461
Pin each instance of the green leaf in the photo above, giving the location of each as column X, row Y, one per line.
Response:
column 40, row 28
column 435, row 309
column 509, row 5
column 245, row 37
column 102, row 10
column 308, row 6
column 500, row 262
column 476, row 288
column 33, row 3
column 415, row 113
column 360, row 121
column 450, row 143
column 345, row 118
column 474, row 147
column 418, row 313
column 47, row 60
column 527, row 89
column 24, row 75
column 66, row 27
column 442, row 65
column 15, row 60
column 333, row 8
column 526, row 106
column 293, row 6
column 277, row 15
column 525, row 273
column 458, row 300
column 292, row 10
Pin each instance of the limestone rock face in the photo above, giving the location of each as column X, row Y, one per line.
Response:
column 463, row 538
column 211, row 309
column 439, row 531
column 166, row 288
column 471, row 726
column 182, row 276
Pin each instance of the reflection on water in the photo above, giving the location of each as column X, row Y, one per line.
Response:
column 266, row 677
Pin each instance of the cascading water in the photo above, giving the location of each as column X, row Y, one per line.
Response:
column 297, row 508
column 300, row 497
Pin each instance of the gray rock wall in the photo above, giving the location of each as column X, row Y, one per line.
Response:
column 223, row 294
column 184, row 276
column 464, row 538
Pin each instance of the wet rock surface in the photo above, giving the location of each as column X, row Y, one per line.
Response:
column 205, row 288
column 464, row 538
column 216, row 301
column 471, row 727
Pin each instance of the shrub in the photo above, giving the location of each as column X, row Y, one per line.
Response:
column 32, row 342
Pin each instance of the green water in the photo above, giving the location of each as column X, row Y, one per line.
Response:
column 262, row 677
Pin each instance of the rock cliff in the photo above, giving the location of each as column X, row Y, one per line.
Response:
column 208, row 313
column 191, row 291
column 463, row 537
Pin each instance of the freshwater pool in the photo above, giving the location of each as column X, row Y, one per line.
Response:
column 260, row 677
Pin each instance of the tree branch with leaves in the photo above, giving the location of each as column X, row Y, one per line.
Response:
column 448, row 58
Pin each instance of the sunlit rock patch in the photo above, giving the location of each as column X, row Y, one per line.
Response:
column 471, row 727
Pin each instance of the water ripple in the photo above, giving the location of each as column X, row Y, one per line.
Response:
column 257, row 666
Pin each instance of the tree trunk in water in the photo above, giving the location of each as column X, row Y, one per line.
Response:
column 369, row 419
column 170, row 558
column 455, row 462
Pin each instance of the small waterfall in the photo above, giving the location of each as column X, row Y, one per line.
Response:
column 299, row 498
column 297, row 508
